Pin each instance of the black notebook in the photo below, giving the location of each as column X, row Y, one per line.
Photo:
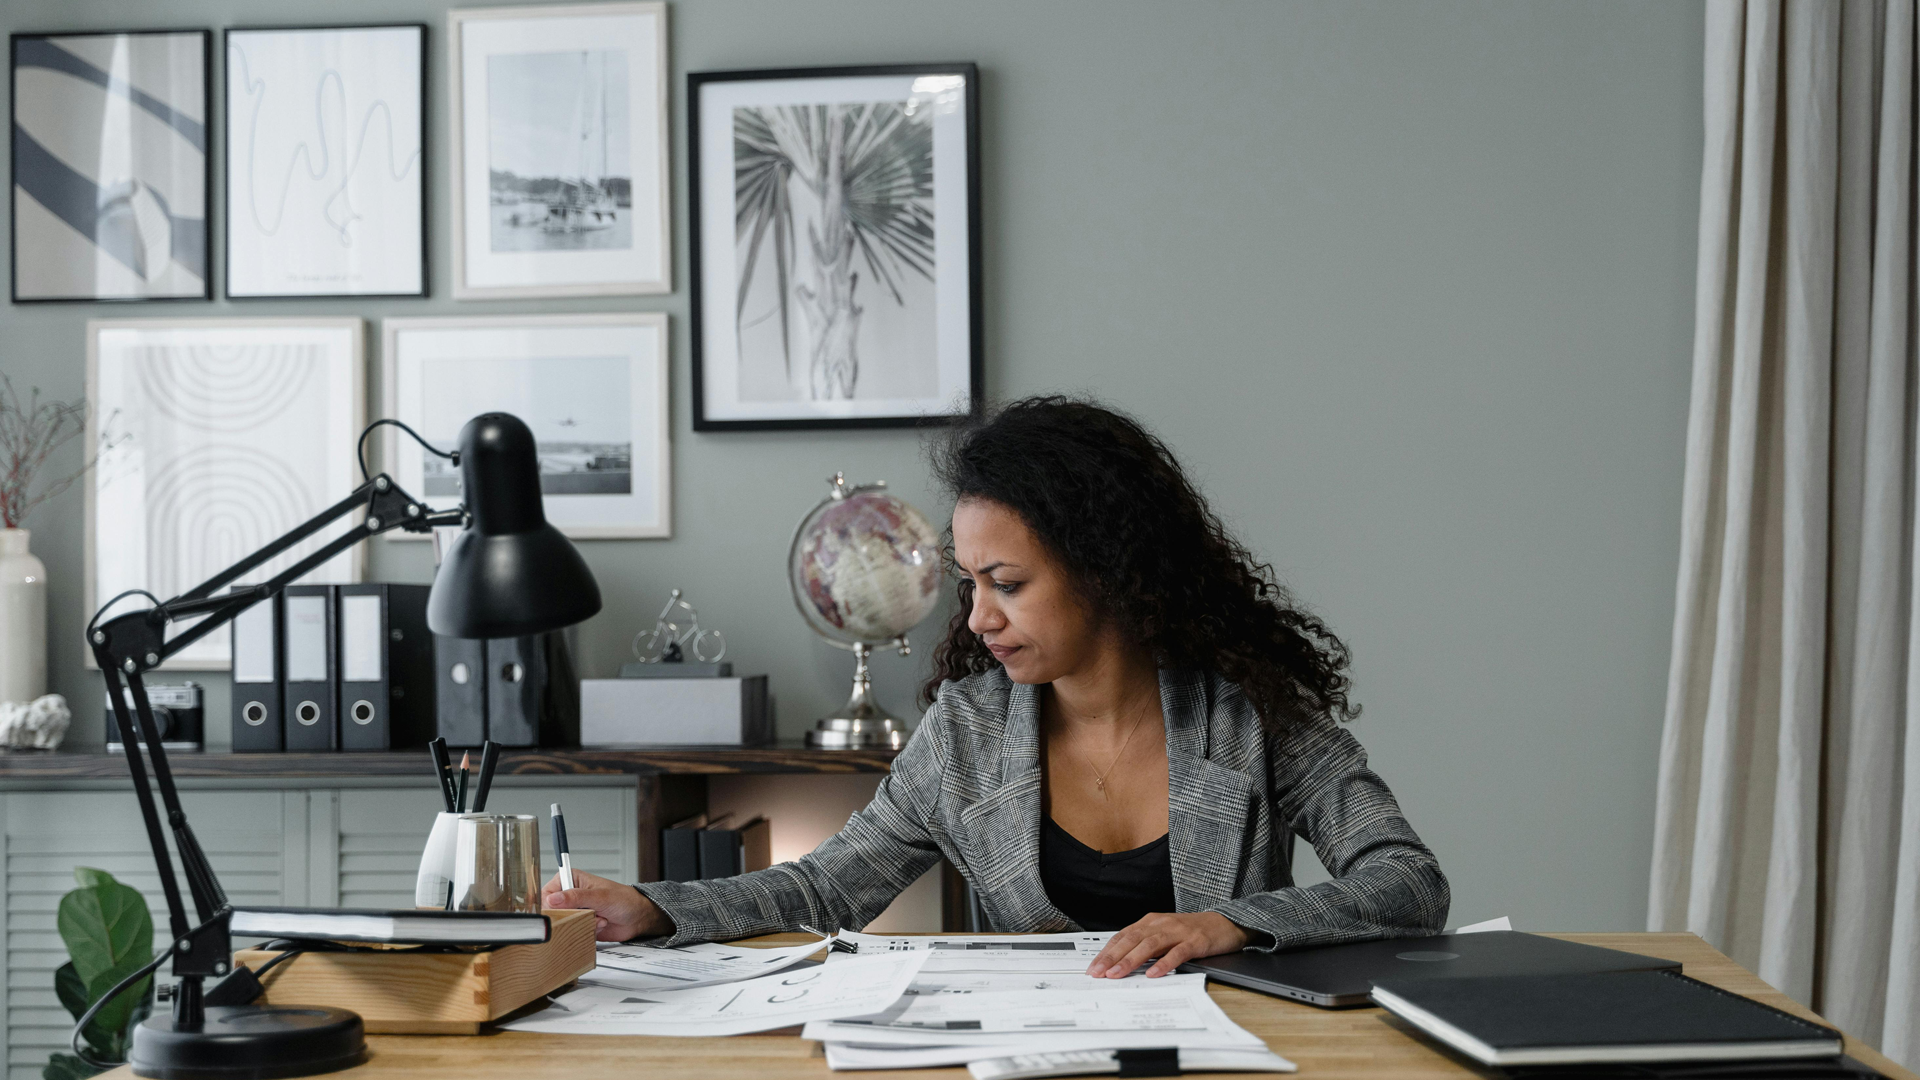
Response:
column 1621, row 1016
column 404, row 927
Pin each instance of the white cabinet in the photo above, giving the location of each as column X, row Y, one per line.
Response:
column 321, row 846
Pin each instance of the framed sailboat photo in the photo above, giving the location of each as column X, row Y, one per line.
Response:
column 560, row 151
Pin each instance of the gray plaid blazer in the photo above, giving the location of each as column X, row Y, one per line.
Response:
column 967, row 787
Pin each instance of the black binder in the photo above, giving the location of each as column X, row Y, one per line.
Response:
column 680, row 849
column 460, row 689
column 385, row 666
column 533, row 698
column 312, row 708
column 258, row 656
column 516, row 681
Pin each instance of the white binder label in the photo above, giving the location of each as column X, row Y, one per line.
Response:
column 253, row 644
column 306, row 639
column 360, row 644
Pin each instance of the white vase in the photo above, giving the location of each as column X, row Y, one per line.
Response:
column 23, row 619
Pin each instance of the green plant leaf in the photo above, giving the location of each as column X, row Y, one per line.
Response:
column 88, row 877
column 109, row 1028
column 72, row 989
column 104, row 927
column 67, row 1067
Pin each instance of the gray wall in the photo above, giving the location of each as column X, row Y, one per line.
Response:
column 1408, row 286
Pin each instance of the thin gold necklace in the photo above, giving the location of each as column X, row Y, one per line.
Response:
column 1100, row 778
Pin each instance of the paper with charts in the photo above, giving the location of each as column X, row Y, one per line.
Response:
column 646, row 967
column 1066, row 954
column 857, row 987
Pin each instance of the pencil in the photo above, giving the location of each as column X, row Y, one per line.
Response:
column 442, row 778
column 460, row 799
column 489, row 760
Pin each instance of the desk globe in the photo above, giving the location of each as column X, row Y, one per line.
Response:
column 865, row 569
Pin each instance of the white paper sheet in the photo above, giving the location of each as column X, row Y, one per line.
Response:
column 858, row 987
column 1024, row 1066
column 645, row 968
column 1158, row 1012
column 1025, row 953
column 1504, row 922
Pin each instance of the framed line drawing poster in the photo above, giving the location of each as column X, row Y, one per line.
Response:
column 326, row 175
column 560, row 151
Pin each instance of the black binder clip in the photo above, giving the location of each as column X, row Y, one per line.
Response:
column 1149, row 1061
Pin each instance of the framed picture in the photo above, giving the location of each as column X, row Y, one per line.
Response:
column 560, row 151
column 592, row 387
column 836, row 246
column 216, row 436
column 110, row 173
column 326, row 178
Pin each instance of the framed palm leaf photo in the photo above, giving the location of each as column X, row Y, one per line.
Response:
column 836, row 246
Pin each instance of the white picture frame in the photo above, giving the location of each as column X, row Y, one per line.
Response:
column 599, row 378
column 215, row 437
column 326, row 170
column 550, row 107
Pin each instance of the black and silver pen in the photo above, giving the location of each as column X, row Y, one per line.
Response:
column 560, row 848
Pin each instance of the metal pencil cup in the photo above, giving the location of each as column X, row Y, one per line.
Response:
column 496, row 863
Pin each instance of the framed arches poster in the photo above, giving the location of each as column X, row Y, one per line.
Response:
column 214, row 437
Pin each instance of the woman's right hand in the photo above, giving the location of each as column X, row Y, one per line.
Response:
column 622, row 911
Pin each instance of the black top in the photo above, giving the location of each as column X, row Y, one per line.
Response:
column 1103, row 892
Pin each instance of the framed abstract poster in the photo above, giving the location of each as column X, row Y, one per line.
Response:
column 593, row 388
column 110, row 168
column 215, row 436
column 836, row 246
column 560, row 150
column 326, row 175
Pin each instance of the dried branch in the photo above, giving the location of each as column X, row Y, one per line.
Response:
column 30, row 433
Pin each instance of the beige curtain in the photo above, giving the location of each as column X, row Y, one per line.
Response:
column 1788, row 821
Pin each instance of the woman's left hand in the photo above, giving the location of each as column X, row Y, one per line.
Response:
column 1175, row 939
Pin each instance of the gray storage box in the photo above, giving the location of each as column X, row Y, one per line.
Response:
column 675, row 712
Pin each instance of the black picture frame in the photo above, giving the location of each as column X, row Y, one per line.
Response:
column 14, row 42
column 425, row 162
column 696, row 81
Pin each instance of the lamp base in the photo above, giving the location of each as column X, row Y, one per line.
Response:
column 250, row 1042
column 863, row 724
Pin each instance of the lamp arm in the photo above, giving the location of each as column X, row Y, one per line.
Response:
column 131, row 644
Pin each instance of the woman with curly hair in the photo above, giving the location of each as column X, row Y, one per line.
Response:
column 1129, row 721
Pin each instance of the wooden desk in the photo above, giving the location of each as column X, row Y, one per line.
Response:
column 1323, row 1042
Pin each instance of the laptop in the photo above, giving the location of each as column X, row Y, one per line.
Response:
column 1335, row 976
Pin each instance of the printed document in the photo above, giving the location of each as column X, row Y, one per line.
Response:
column 644, row 967
column 856, row 987
column 1065, row 954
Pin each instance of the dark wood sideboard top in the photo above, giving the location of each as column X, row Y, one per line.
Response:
column 681, row 761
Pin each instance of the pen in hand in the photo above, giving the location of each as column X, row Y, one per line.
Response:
column 560, row 851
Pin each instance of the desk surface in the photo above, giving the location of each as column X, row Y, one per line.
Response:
column 1324, row 1043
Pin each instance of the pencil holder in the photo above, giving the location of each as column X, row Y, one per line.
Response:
column 433, row 887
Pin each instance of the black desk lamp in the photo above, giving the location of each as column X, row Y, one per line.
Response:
column 508, row 574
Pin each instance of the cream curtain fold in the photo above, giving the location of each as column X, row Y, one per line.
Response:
column 1787, row 827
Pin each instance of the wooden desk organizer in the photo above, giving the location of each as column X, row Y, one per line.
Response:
column 409, row 993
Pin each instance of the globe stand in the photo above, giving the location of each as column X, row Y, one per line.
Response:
column 863, row 724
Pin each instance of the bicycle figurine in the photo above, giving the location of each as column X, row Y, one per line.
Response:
column 669, row 642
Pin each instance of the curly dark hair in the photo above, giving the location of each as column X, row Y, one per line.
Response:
column 1109, row 501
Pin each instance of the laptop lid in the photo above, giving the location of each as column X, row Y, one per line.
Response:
column 1339, row 975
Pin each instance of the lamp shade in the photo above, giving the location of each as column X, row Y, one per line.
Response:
column 509, row 573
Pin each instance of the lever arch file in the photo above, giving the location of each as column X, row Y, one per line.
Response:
column 312, row 711
column 385, row 666
column 257, row 685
